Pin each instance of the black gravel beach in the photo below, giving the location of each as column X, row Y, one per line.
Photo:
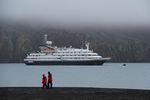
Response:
column 71, row 93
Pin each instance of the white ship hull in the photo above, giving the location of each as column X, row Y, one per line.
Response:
column 71, row 62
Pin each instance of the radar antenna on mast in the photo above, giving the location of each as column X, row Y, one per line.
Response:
column 45, row 38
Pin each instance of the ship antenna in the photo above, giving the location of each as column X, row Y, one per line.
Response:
column 87, row 46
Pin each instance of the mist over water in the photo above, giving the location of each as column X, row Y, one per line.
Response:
column 78, row 12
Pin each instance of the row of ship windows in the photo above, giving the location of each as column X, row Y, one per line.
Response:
column 68, row 55
column 76, row 55
column 74, row 52
column 60, row 58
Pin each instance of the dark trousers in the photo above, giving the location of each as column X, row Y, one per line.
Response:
column 44, row 86
column 51, row 84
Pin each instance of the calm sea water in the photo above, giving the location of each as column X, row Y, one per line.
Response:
column 110, row 75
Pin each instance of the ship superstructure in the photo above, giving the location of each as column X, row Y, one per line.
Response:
column 52, row 55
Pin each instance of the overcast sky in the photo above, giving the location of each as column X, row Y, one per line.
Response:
column 98, row 12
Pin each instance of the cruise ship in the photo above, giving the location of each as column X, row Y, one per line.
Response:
column 52, row 55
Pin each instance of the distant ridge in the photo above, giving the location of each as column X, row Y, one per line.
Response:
column 121, row 44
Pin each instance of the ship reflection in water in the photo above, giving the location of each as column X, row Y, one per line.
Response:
column 52, row 55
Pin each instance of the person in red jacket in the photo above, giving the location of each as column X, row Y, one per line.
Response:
column 44, row 81
column 49, row 80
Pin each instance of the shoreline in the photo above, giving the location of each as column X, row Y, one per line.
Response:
column 72, row 93
column 104, row 63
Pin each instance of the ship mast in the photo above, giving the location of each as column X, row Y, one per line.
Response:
column 47, row 43
column 45, row 38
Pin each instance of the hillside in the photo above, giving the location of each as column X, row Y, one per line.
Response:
column 121, row 44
